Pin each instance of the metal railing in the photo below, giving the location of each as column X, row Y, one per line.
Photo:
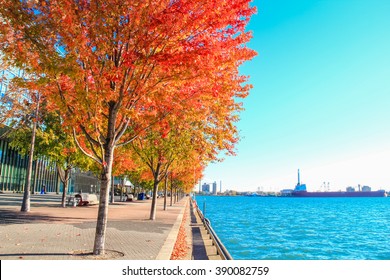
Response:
column 221, row 249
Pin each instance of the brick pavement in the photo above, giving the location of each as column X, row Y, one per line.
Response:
column 51, row 232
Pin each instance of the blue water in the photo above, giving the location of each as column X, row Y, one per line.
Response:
column 283, row 228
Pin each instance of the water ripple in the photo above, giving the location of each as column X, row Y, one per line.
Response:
column 302, row 228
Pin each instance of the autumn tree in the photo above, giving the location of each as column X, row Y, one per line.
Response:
column 186, row 173
column 122, row 167
column 157, row 152
column 187, row 138
column 20, row 109
column 107, row 65
column 57, row 144
column 6, row 104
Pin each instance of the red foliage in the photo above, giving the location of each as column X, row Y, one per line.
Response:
column 181, row 248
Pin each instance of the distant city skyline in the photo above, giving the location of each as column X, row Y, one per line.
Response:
column 320, row 101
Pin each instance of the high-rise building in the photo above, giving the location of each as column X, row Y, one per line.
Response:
column 206, row 188
column 215, row 188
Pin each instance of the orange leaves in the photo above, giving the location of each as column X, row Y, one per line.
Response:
column 181, row 247
column 119, row 69
column 65, row 83
column 123, row 162
column 164, row 128
column 20, row 46
column 129, row 59
column 67, row 19
column 69, row 150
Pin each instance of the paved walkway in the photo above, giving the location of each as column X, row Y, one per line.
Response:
column 51, row 232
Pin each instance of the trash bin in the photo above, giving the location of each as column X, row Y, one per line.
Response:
column 141, row 196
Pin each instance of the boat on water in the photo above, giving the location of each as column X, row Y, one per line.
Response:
column 301, row 191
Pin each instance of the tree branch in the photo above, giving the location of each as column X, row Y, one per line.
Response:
column 97, row 159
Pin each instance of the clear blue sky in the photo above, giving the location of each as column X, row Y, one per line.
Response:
column 321, row 98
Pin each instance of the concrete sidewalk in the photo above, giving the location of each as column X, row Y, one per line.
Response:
column 50, row 232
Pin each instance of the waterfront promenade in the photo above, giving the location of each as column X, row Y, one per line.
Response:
column 50, row 232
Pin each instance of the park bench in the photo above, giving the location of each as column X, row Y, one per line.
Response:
column 87, row 199
column 83, row 199
column 127, row 197
column 73, row 200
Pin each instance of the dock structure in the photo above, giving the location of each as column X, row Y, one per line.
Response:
column 206, row 244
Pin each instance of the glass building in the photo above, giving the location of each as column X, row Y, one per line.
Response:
column 13, row 170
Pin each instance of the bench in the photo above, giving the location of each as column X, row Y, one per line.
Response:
column 127, row 197
column 87, row 199
column 83, row 199
column 73, row 201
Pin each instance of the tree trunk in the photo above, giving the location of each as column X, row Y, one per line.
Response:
column 156, row 181
column 135, row 192
column 154, row 200
column 122, row 187
column 112, row 191
column 63, row 201
column 34, row 186
column 65, row 181
column 171, row 192
column 101, row 224
column 27, row 189
column 165, row 192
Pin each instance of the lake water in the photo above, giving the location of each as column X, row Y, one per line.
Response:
column 285, row 228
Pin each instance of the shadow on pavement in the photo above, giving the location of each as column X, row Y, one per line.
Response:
column 13, row 217
column 35, row 254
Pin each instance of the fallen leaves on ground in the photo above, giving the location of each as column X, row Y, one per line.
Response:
column 181, row 248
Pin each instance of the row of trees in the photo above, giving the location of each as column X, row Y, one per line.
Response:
column 151, row 86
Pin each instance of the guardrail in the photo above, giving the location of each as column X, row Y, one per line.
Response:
column 221, row 249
